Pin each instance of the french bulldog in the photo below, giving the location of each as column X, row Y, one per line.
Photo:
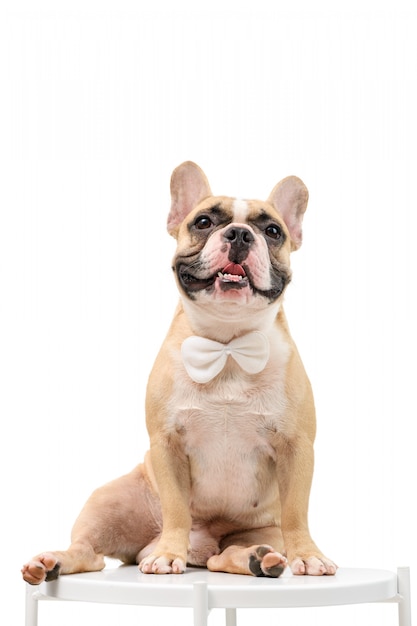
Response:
column 229, row 408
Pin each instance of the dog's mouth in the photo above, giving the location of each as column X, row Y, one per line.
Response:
column 232, row 276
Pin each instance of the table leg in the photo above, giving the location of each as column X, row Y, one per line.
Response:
column 404, row 605
column 231, row 617
column 200, row 604
column 31, row 606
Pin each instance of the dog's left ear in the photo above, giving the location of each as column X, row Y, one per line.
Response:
column 290, row 197
column 189, row 185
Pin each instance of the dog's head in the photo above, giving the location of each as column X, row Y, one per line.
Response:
column 232, row 251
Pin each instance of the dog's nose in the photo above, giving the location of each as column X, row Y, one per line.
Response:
column 239, row 237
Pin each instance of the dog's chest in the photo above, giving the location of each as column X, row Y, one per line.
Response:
column 229, row 431
column 229, row 420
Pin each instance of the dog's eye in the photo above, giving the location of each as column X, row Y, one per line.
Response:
column 273, row 231
column 203, row 222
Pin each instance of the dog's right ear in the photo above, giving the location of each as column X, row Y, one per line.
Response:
column 189, row 185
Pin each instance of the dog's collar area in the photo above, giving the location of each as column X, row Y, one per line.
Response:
column 204, row 359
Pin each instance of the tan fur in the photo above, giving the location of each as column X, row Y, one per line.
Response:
column 227, row 479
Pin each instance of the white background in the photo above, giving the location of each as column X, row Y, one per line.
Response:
column 100, row 101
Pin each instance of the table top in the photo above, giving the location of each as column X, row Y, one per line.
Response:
column 125, row 584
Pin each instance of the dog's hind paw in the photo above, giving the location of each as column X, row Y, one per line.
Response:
column 264, row 561
column 43, row 567
column 161, row 565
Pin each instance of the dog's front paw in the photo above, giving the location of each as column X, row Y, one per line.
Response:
column 43, row 567
column 164, row 564
column 313, row 566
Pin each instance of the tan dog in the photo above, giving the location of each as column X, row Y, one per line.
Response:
column 230, row 412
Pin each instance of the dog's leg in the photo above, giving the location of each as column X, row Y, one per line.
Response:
column 295, row 481
column 118, row 521
column 255, row 552
column 173, row 478
column 80, row 557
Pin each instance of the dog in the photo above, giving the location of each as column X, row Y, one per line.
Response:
column 229, row 408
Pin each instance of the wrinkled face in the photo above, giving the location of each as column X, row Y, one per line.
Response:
column 232, row 250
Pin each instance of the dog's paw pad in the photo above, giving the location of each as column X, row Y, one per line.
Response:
column 43, row 567
column 264, row 561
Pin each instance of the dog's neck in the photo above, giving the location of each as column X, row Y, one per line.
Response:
column 229, row 320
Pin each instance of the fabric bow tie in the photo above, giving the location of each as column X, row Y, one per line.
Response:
column 204, row 359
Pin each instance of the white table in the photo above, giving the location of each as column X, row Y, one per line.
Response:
column 202, row 591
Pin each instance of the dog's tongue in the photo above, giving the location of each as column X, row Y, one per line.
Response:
column 234, row 269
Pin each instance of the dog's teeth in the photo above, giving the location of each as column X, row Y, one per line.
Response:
column 231, row 278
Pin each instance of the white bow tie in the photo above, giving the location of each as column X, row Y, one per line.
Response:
column 204, row 358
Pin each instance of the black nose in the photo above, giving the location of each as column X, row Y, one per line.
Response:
column 239, row 237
